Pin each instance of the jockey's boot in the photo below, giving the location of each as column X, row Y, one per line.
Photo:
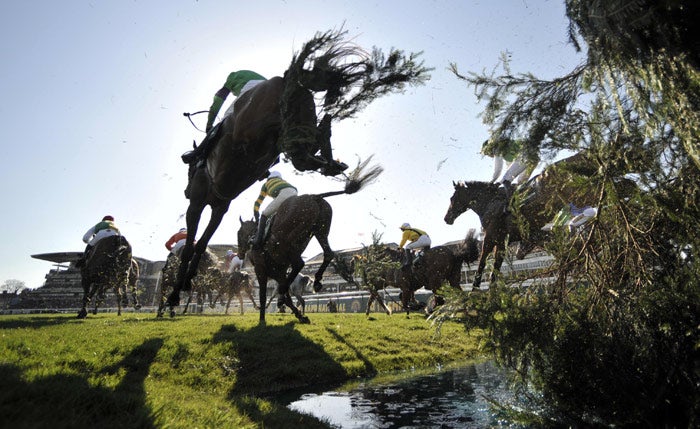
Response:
column 508, row 188
column 80, row 263
column 201, row 151
column 257, row 241
column 418, row 258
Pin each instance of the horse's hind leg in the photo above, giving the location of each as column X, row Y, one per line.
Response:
column 297, row 265
column 86, row 300
column 328, row 254
column 301, row 303
column 287, row 299
column 370, row 301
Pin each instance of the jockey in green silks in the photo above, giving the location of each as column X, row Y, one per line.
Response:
column 237, row 83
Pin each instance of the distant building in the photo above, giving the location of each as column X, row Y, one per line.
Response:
column 62, row 286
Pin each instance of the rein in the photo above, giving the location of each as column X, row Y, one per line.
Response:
column 189, row 116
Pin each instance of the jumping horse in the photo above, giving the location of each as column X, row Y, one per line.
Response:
column 278, row 116
column 381, row 267
column 291, row 228
column 200, row 283
column 541, row 198
column 233, row 285
column 108, row 266
column 436, row 266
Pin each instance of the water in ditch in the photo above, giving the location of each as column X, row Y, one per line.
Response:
column 457, row 397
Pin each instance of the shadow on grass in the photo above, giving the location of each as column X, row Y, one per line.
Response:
column 36, row 322
column 371, row 371
column 273, row 360
column 69, row 401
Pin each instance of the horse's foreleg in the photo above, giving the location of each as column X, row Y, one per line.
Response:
column 262, row 282
column 497, row 262
column 86, row 299
column 240, row 300
column 184, row 276
column 119, row 301
column 486, row 247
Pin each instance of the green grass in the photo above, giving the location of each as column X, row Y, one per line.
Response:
column 216, row 371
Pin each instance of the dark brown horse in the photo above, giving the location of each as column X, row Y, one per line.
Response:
column 201, row 284
column 297, row 220
column 233, row 285
column 134, row 274
column 542, row 197
column 107, row 267
column 434, row 267
column 279, row 116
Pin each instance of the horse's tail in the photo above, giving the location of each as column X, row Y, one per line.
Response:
column 469, row 249
column 357, row 178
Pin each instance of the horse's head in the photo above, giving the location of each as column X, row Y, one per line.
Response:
column 462, row 200
column 245, row 233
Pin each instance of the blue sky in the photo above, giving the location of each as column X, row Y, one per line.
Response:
column 94, row 91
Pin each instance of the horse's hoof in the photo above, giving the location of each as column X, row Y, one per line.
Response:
column 94, row 311
column 317, row 286
column 137, row 306
column 305, row 320
column 82, row 314
column 172, row 313
column 159, row 315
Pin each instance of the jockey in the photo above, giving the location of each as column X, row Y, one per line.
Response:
column 233, row 262
column 237, row 82
column 510, row 151
column 417, row 239
column 279, row 190
column 105, row 228
column 176, row 242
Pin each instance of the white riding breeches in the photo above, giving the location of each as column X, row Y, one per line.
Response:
column 275, row 204
column 247, row 87
column 423, row 241
column 102, row 234
column 175, row 250
column 515, row 170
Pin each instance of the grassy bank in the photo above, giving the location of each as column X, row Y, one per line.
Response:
column 198, row 371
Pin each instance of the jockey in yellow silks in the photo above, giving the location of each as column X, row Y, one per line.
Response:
column 416, row 238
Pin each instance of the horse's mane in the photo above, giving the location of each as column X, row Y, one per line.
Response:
column 476, row 184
